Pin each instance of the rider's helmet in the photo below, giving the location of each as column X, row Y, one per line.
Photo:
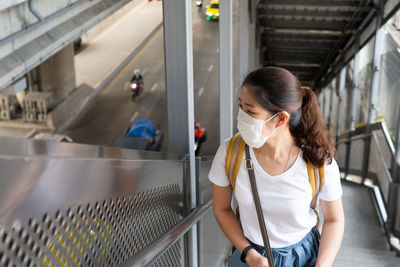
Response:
column 137, row 72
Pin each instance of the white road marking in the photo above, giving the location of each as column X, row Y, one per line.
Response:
column 210, row 68
column 154, row 87
column 201, row 91
column 127, row 86
column 145, row 71
column 30, row 134
column 134, row 117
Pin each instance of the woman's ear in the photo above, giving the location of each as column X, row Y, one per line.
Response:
column 283, row 118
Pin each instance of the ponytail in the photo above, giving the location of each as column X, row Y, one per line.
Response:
column 311, row 133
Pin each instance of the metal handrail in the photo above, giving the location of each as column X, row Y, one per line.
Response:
column 161, row 244
column 362, row 137
column 13, row 148
column 362, row 133
column 380, row 125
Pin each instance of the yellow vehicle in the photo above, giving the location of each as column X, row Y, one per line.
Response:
column 212, row 11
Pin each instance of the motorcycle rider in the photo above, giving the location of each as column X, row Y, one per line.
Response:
column 200, row 136
column 137, row 77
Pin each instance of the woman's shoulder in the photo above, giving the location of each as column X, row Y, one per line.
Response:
column 331, row 164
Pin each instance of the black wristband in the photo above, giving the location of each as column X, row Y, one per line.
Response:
column 244, row 253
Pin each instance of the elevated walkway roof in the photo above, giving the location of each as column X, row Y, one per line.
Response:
column 315, row 38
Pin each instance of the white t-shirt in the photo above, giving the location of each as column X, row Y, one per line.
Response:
column 285, row 198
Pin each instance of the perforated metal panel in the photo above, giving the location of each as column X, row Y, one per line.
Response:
column 104, row 233
column 172, row 257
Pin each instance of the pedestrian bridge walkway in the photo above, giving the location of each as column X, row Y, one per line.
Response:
column 70, row 204
column 64, row 204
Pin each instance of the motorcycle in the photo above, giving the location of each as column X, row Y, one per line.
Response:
column 136, row 88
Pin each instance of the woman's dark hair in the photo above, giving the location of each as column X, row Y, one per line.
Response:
column 276, row 89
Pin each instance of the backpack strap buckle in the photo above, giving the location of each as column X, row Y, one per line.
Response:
column 249, row 164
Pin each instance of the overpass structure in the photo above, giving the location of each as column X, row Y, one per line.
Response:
column 71, row 204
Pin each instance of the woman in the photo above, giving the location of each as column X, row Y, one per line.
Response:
column 281, row 123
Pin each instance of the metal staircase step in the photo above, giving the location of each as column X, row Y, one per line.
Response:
column 352, row 256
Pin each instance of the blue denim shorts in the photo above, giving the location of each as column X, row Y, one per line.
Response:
column 302, row 254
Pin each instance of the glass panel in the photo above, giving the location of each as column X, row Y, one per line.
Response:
column 213, row 242
column 378, row 166
column 356, row 152
column 341, row 155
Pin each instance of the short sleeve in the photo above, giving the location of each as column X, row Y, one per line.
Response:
column 332, row 189
column 217, row 173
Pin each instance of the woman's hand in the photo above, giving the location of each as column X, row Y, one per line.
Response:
column 254, row 259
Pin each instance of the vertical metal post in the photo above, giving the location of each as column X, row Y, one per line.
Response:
column 393, row 211
column 376, row 64
column 354, row 89
column 333, row 87
column 226, row 70
column 323, row 102
column 199, row 202
column 396, row 159
column 179, row 89
column 243, row 40
column 342, row 83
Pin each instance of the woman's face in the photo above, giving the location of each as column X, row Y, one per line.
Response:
column 249, row 105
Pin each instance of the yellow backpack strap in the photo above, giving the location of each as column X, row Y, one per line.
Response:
column 321, row 177
column 311, row 178
column 316, row 177
column 316, row 181
column 229, row 155
column 233, row 159
column 238, row 161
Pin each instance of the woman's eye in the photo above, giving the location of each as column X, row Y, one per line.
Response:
column 250, row 112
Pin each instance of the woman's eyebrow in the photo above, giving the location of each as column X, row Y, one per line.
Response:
column 246, row 104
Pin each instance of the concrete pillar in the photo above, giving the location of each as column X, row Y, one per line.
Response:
column 57, row 74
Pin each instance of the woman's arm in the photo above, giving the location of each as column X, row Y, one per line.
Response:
column 227, row 220
column 222, row 196
column 332, row 232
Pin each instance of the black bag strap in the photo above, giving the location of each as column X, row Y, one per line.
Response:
column 263, row 228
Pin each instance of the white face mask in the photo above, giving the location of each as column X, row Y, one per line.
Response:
column 251, row 129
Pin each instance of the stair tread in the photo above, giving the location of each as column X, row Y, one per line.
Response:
column 349, row 256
